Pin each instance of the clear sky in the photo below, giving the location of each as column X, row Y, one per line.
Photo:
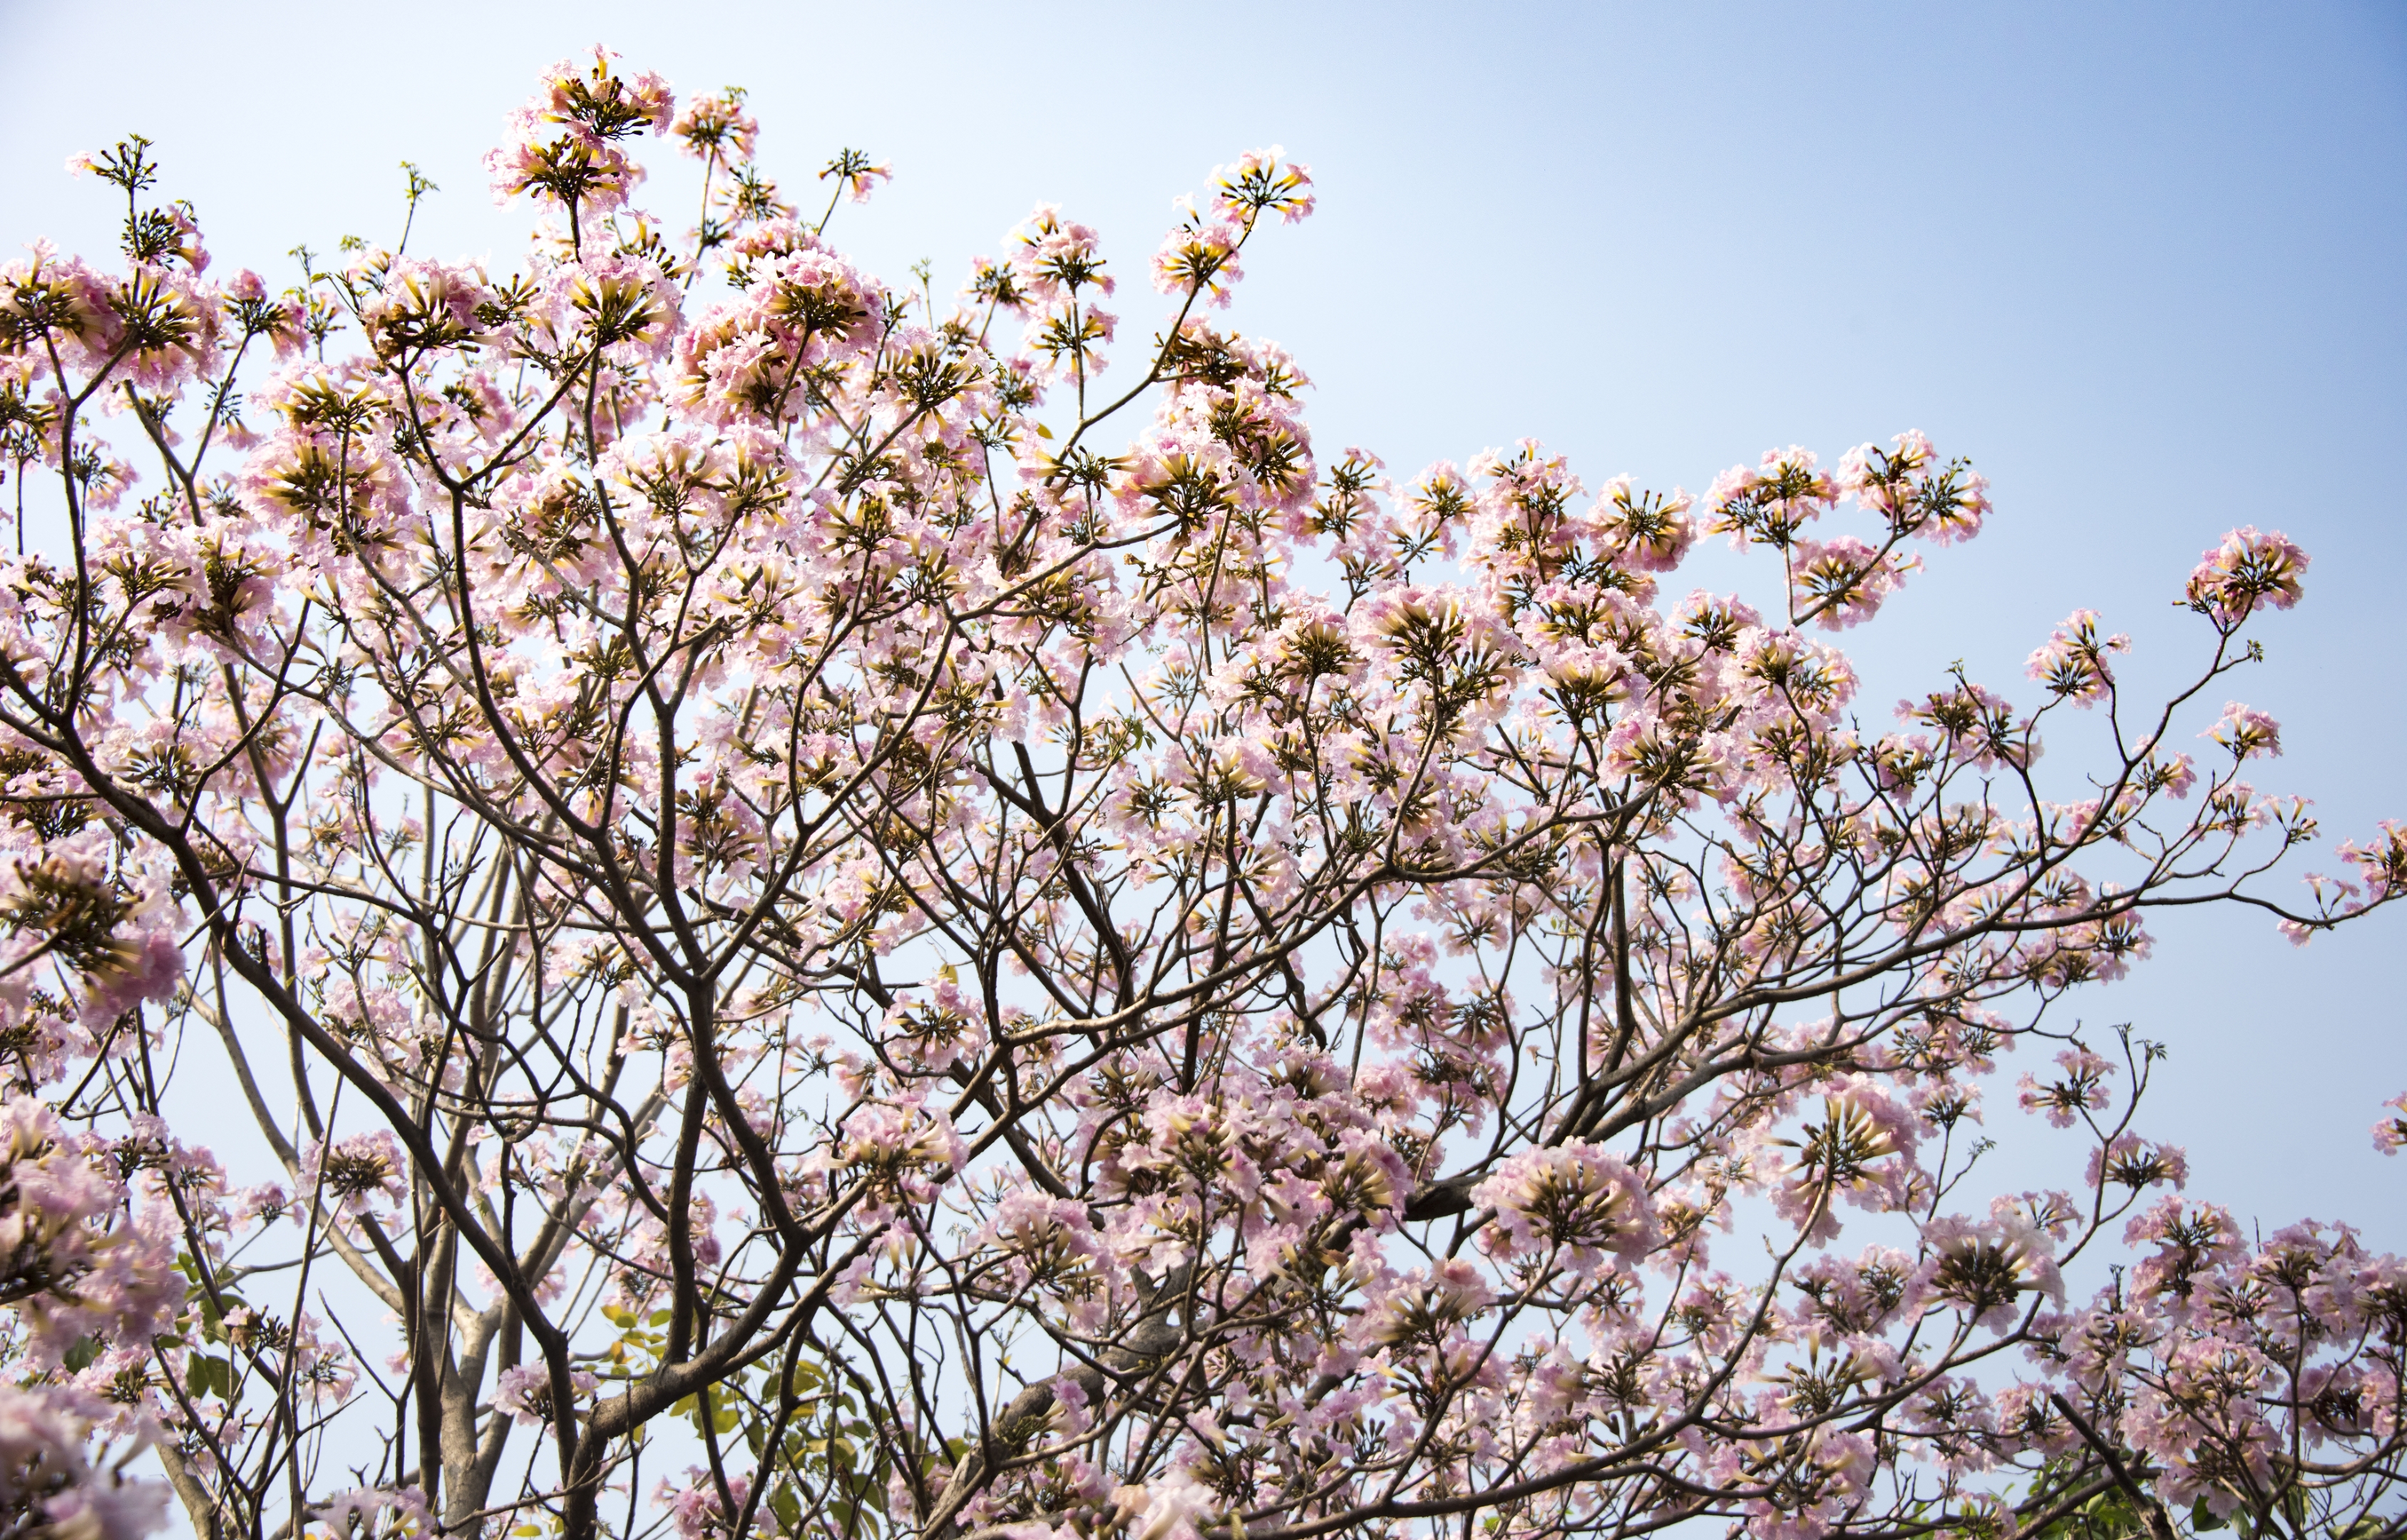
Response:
column 2145, row 263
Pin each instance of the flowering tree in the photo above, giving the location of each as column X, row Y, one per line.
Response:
column 778, row 937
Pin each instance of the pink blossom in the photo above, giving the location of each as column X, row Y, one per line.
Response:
column 856, row 175
column 2073, row 664
column 1908, row 488
column 716, row 125
column 358, row 1172
column 904, row 1148
column 1573, row 1202
column 2193, row 1240
column 2246, row 733
column 2390, row 1133
column 2381, row 865
column 1769, row 505
column 49, row 1487
column 526, row 1392
column 695, row 1506
column 1982, row 1270
column 1650, row 531
column 376, row 1513
column 77, row 1265
column 564, row 143
column 417, row 305
column 2079, row 1088
column 2244, row 571
column 1426, row 1306
column 1261, row 180
column 1841, row 581
column 1056, row 258
column 1199, row 259
column 2135, row 1163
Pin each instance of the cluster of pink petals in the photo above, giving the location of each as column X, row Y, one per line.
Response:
column 1572, row 1202
column 563, row 144
column 79, row 1265
column 48, row 1487
column 2390, row 1133
column 2246, row 570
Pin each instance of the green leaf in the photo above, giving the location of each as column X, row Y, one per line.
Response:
column 209, row 1376
column 212, row 1321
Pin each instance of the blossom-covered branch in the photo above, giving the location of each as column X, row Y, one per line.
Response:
column 787, row 915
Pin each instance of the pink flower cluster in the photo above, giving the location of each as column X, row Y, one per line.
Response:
column 2247, row 570
column 47, row 1486
column 565, row 146
column 79, row 1262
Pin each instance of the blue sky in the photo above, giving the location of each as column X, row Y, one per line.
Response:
column 2142, row 264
